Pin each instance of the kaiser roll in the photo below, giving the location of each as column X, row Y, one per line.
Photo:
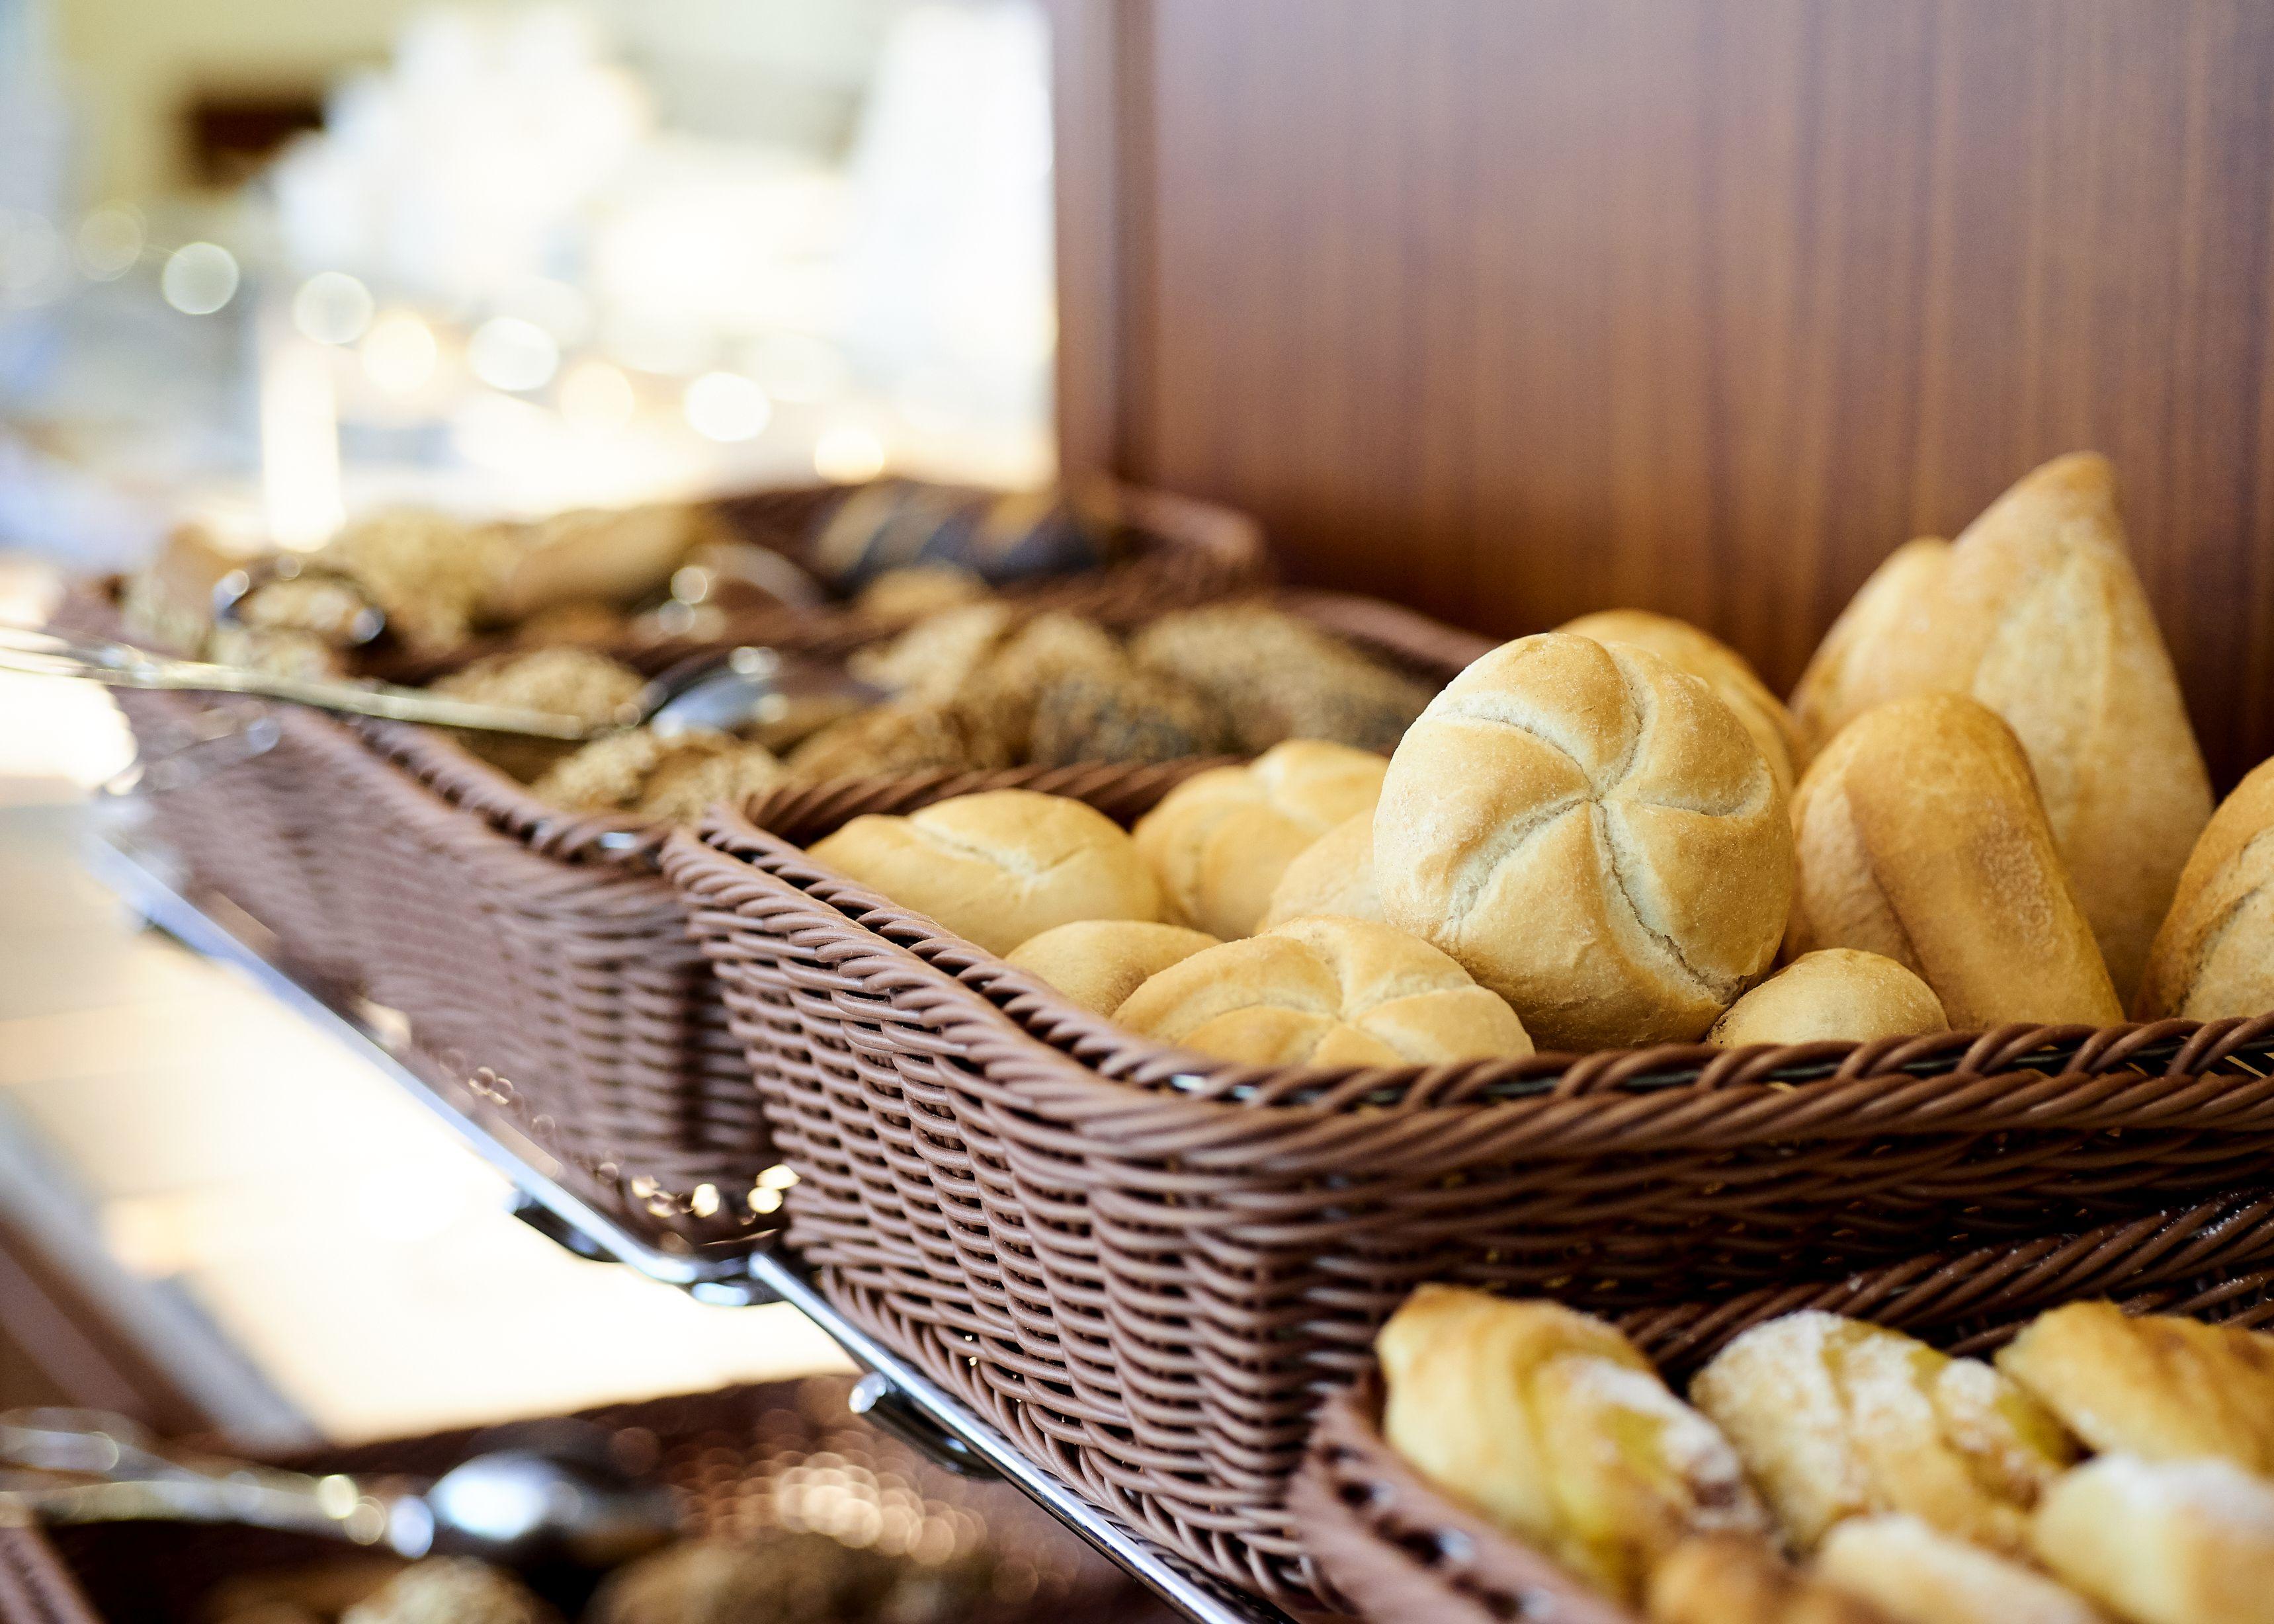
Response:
column 2214, row 954
column 1325, row 991
column 1835, row 994
column 1713, row 663
column 1097, row 963
column 1000, row 868
column 1333, row 875
column 1594, row 836
column 1922, row 839
column 2036, row 612
column 1221, row 840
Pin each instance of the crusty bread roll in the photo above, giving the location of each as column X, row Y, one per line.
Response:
column 1325, row 991
column 2162, row 1386
column 1594, row 835
column 1554, row 1424
column 1735, row 1579
column 1875, row 650
column 1221, row 840
column 2163, row 1542
column 1333, row 875
column 1836, row 1418
column 1921, row 838
column 1917, row 1575
column 1000, row 868
column 1714, row 663
column 2215, row 953
column 1097, row 963
column 2036, row 612
column 1834, row 995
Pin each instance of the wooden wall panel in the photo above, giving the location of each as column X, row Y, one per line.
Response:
column 1513, row 308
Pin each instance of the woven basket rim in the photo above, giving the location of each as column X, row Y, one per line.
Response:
column 2171, row 1049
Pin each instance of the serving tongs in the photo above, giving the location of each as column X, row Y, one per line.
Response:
column 724, row 691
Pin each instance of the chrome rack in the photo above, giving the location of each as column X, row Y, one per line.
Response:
column 891, row 1393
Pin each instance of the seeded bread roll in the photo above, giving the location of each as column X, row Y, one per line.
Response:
column 2215, row 953
column 1917, row 1575
column 1921, row 838
column 1333, row 875
column 2038, row 614
column 2162, row 1386
column 1553, row 1424
column 1835, row 994
column 1097, row 963
column 1221, row 840
column 1836, row 1418
column 1325, row 991
column 1714, row 663
column 2163, row 1542
column 999, row 867
column 904, row 736
column 1594, row 836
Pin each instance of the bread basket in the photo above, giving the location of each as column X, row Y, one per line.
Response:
column 1390, row 1545
column 740, row 1461
column 1149, row 1266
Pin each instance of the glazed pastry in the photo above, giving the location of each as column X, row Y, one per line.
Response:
column 450, row 1590
column 1551, row 1424
column 1324, row 991
column 1333, row 875
column 1097, row 963
column 1834, row 995
column 1718, row 665
column 1836, row 1418
column 1222, row 838
column 1732, row 1579
column 1277, row 677
column 2163, row 1542
column 2158, row 1386
column 1594, row 836
column 1917, row 1575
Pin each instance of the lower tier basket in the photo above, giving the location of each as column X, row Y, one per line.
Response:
column 741, row 1461
column 1148, row 1268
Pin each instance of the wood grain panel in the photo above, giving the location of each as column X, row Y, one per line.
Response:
column 1512, row 309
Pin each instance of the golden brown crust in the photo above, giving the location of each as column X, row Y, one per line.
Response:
column 2163, row 1542
column 1333, row 875
column 1730, row 1579
column 1917, row 1575
column 1097, row 963
column 1921, row 838
column 2214, row 955
column 1833, row 995
column 1594, row 835
column 1720, row 667
column 1869, row 656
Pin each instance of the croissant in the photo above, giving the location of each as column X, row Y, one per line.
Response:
column 1835, row 1419
column 1917, row 1575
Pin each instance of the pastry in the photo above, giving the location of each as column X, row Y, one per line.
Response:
column 1221, row 840
column 2035, row 612
column 1713, row 663
column 1276, row 677
column 1333, row 875
column 1000, row 868
column 1732, row 1579
column 1833, row 995
column 1553, row 1424
column 1325, row 991
column 1921, row 838
column 2214, row 955
column 1097, row 963
column 1917, row 1575
column 1594, row 835
column 2163, row 1542
column 2158, row 1386
column 1836, row 1418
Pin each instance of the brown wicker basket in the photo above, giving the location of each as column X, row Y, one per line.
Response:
column 740, row 1461
column 1148, row 1265
column 1390, row 1545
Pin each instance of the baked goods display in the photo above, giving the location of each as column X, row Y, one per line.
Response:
column 1836, row 1470
column 1833, row 995
column 1594, row 835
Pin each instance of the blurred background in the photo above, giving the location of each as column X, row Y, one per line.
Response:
column 264, row 264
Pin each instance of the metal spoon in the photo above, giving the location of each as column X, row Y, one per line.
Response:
column 725, row 691
column 562, row 1502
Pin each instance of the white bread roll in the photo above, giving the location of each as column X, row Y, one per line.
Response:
column 1922, row 839
column 1594, row 836
column 1325, row 992
column 1000, row 868
column 2037, row 612
column 1097, row 963
column 1221, row 840
column 1333, row 875
column 1835, row 994
column 2163, row 1542
column 1876, row 650
column 1714, row 663
column 1917, row 1575
column 2215, row 953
